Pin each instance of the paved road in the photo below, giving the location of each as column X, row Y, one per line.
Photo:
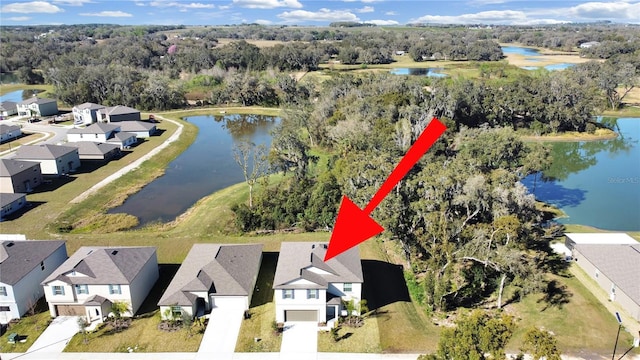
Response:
column 299, row 341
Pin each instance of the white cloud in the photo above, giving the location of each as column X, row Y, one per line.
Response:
column 366, row 9
column 31, row 7
column 391, row 13
column 19, row 18
column 198, row 6
column 382, row 22
column 364, row 1
column 267, row 4
column 619, row 10
column 224, row 7
column 108, row 14
column 263, row 22
column 320, row 15
column 72, row 2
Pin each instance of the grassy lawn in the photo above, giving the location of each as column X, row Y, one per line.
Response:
column 28, row 327
column 357, row 340
column 24, row 139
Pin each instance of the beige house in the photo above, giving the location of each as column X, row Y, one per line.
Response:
column 53, row 159
column 19, row 176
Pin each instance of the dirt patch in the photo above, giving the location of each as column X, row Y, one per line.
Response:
column 545, row 59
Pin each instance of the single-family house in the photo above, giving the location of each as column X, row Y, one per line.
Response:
column 23, row 266
column 89, row 150
column 212, row 276
column 19, row 176
column 8, row 108
column 94, row 278
column 36, row 106
column 118, row 113
column 53, row 159
column 140, row 128
column 310, row 289
column 9, row 132
column 123, row 139
column 86, row 114
column 98, row 132
column 11, row 202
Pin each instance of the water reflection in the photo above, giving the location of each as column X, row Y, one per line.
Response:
column 205, row 167
column 18, row 96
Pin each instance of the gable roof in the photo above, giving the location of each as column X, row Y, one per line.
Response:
column 10, row 167
column 216, row 269
column 304, row 261
column 97, row 128
column 8, row 198
column 103, row 265
column 118, row 110
column 4, row 128
column 36, row 100
column 89, row 106
column 122, row 136
column 43, row 151
column 619, row 262
column 19, row 257
column 7, row 106
column 136, row 126
column 94, row 148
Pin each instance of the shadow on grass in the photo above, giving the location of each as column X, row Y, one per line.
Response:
column 263, row 292
column 384, row 284
column 150, row 304
column 52, row 183
column 28, row 207
column 556, row 294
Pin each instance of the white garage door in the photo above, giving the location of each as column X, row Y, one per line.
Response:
column 301, row 315
column 229, row 302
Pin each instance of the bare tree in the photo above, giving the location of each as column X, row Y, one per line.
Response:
column 252, row 159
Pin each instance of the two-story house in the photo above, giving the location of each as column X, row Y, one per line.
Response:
column 23, row 265
column 103, row 133
column 94, row 278
column 36, row 106
column 53, row 159
column 309, row 289
column 86, row 114
column 9, row 132
column 19, row 176
column 118, row 113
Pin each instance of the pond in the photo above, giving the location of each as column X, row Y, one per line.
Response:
column 520, row 51
column 205, row 167
column 18, row 96
column 552, row 67
column 595, row 183
column 431, row 72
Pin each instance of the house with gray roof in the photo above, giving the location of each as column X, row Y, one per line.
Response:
column 118, row 113
column 94, row 278
column 141, row 129
column 19, row 176
column 89, row 150
column 310, row 289
column 54, row 159
column 212, row 276
column 616, row 268
column 11, row 203
column 9, row 132
column 23, row 266
column 98, row 132
column 8, row 108
column 36, row 106
column 86, row 114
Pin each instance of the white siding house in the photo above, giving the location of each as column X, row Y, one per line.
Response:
column 10, row 203
column 310, row 289
column 96, row 132
column 9, row 132
column 23, row 265
column 86, row 114
column 94, row 278
column 53, row 159
column 36, row 106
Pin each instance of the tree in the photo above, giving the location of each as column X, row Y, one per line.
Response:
column 82, row 325
column 541, row 344
column 252, row 160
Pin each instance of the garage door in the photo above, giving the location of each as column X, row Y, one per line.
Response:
column 70, row 310
column 229, row 302
column 301, row 315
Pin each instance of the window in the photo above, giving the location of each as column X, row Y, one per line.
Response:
column 287, row 294
column 176, row 312
column 82, row 289
column 3, row 291
column 5, row 308
column 313, row 294
column 58, row 290
column 597, row 273
column 42, row 265
column 114, row 289
column 347, row 287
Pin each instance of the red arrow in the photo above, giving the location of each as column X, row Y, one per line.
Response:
column 354, row 225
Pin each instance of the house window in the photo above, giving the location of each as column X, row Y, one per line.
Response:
column 313, row 294
column 597, row 273
column 3, row 291
column 347, row 287
column 58, row 290
column 42, row 265
column 115, row 289
column 82, row 289
column 176, row 311
column 287, row 294
column 5, row 308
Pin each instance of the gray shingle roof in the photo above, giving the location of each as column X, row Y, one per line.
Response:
column 218, row 269
column 119, row 110
column 8, row 198
column 103, row 265
column 7, row 106
column 10, row 167
column 122, row 136
column 136, row 126
column 18, row 258
column 297, row 258
column 97, row 128
column 620, row 263
column 45, row 151
column 94, row 148
column 36, row 100
column 4, row 128
column 90, row 106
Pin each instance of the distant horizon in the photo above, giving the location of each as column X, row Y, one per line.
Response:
column 316, row 13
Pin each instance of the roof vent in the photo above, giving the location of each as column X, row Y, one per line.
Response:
column 324, row 246
column 10, row 244
column 114, row 252
column 313, row 246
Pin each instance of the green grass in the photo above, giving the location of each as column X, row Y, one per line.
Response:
column 260, row 326
column 29, row 327
column 355, row 340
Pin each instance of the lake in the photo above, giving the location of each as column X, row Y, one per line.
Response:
column 205, row 167
column 18, row 96
column 431, row 72
column 520, row 51
column 531, row 55
column 596, row 183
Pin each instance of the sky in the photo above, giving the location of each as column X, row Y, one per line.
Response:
column 315, row 12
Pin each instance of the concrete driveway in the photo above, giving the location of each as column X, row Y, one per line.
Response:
column 221, row 335
column 299, row 340
column 56, row 336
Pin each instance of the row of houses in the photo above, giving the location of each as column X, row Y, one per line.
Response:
column 211, row 276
